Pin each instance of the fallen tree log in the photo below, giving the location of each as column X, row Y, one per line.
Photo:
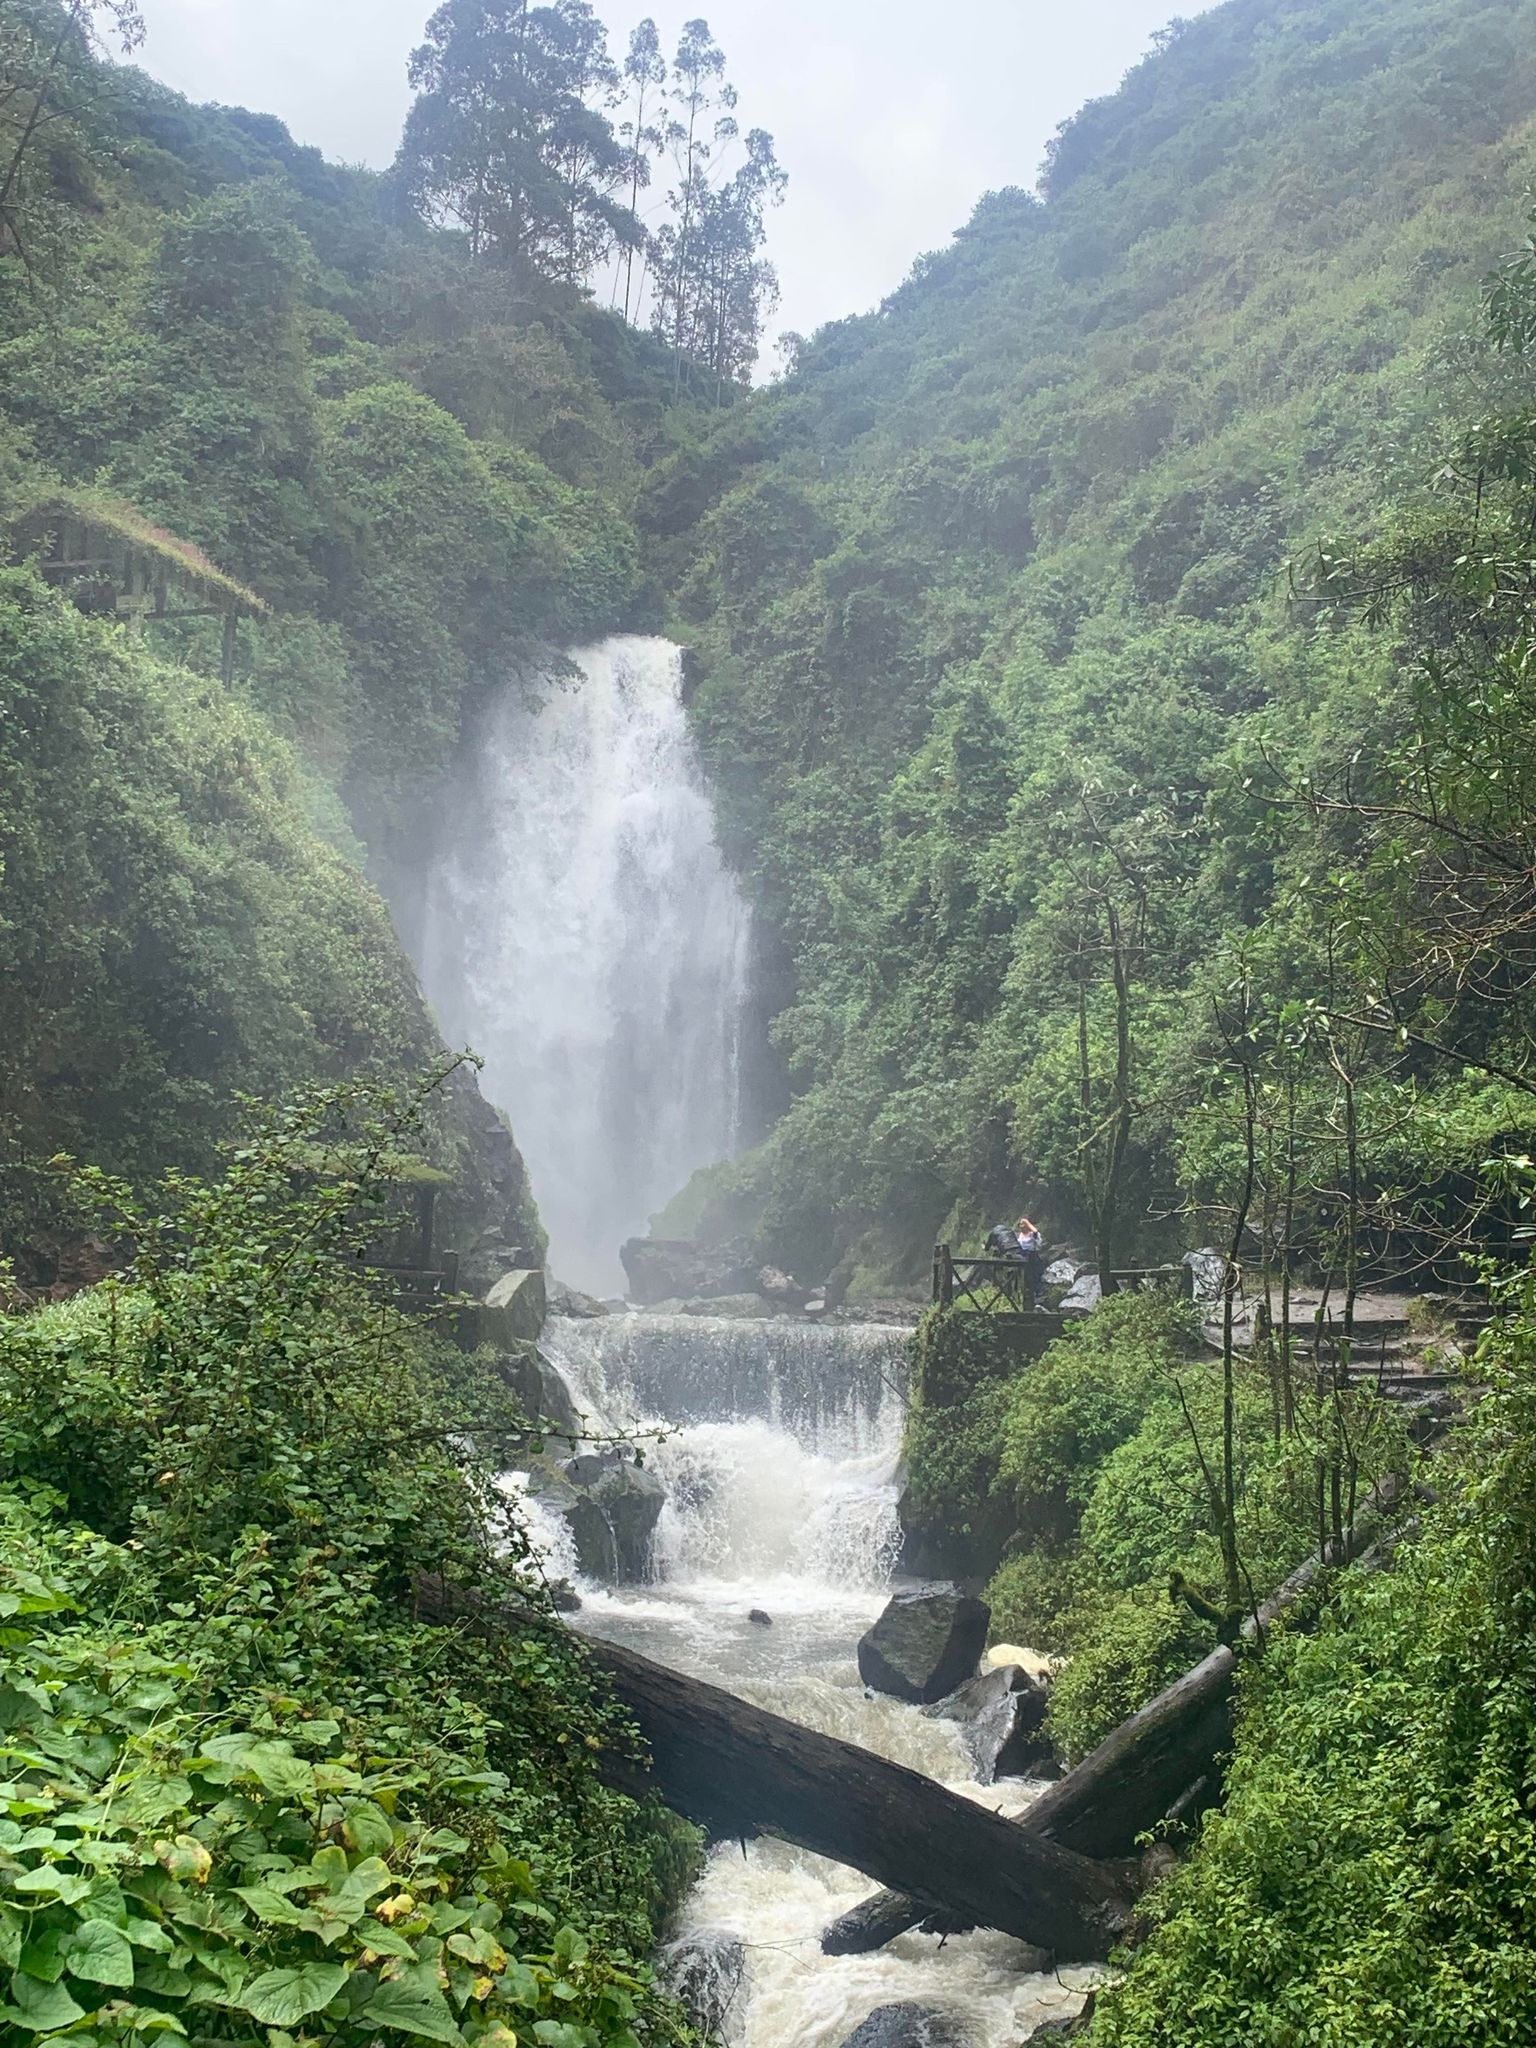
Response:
column 738, row 1769
column 1142, row 1769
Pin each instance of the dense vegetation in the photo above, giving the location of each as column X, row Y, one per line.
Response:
column 1117, row 659
column 248, row 1797
column 993, row 595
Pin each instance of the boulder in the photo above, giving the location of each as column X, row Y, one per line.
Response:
column 672, row 1268
column 781, row 1288
column 1084, row 1296
column 761, row 1617
column 906, row 2025
column 705, row 1973
column 1002, row 1717
column 545, row 1398
column 1062, row 1272
column 513, row 1312
column 925, row 1644
column 611, row 1506
column 570, row 1301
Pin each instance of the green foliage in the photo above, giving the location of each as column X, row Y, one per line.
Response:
column 992, row 589
column 1370, row 1877
column 244, row 1785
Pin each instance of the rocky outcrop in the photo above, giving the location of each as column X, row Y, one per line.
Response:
column 546, row 1399
column 513, row 1311
column 673, row 1269
column 925, row 1644
column 570, row 1301
column 782, row 1289
column 1002, row 1719
column 706, row 1974
column 611, row 1505
column 906, row 2026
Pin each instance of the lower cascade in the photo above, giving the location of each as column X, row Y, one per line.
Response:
column 778, row 1445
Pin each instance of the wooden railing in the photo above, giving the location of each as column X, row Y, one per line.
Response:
column 995, row 1286
column 1001, row 1286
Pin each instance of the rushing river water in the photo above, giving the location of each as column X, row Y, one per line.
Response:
column 781, row 1480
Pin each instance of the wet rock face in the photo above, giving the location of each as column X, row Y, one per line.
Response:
column 545, row 1398
column 926, row 1643
column 706, row 1974
column 1002, row 1717
column 907, row 2025
column 611, row 1506
column 674, row 1269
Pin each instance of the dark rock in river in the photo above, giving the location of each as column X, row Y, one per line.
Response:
column 1002, row 1715
column 906, row 2026
column 926, row 1643
column 611, row 1505
column 705, row 1974
column 761, row 1617
column 671, row 1269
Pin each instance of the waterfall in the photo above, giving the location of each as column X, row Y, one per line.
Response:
column 583, row 935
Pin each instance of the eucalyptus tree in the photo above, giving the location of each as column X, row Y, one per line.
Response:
column 505, row 141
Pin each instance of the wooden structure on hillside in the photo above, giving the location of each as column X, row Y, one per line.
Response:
column 995, row 1287
column 112, row 561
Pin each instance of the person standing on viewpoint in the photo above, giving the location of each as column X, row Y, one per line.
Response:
column 1032, row 1251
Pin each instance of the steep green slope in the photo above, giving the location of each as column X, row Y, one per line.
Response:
column 990, row 587
column 425, row 468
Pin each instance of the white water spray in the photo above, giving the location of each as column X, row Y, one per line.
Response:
column 584, row 936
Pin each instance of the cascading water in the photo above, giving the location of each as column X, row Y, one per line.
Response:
column 584, row 936
column 781, row 1474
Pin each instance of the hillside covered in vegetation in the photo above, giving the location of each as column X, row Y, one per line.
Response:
column 1015, row 614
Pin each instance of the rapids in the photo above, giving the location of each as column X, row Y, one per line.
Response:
column 781, row 1477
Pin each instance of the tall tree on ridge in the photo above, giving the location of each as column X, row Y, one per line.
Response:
column 503, row 139
column 645, row 70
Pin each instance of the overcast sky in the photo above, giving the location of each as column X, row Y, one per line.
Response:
column 892, row 118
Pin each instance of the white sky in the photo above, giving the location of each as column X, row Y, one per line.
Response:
column 891, row 118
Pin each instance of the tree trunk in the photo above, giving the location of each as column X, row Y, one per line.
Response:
column 738, row 1770
column 1141, row 1770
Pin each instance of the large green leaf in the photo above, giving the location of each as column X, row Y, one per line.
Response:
column 272, row 1764
column 40, row 2008
column 100, row 1954
column 368, row 1828
column 411, row 2005
column 281, row 1998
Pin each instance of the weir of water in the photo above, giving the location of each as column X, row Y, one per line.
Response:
column 781, row 1477
column 584, row 936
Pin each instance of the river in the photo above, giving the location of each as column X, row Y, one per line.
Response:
column 781, row 1496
